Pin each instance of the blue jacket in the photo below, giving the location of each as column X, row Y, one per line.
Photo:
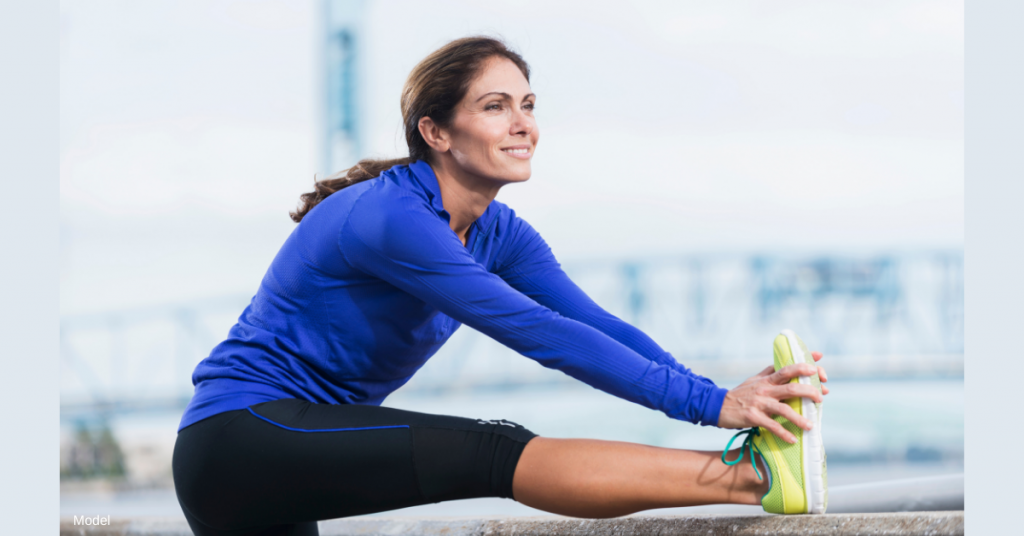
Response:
column 374, row 281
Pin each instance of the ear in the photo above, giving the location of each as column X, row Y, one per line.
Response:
column 434, row 135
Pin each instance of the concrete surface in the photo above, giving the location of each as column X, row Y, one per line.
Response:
column 903, row 523
column 930, row 505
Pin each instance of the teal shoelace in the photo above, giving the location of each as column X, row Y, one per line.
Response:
column 748, row 446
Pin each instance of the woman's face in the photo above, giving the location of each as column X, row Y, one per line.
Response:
column 493, row 133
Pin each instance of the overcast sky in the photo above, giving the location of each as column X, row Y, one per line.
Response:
column 189, row 128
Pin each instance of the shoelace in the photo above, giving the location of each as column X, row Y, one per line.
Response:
column 748, row 445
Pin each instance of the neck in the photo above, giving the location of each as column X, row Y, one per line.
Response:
column 465, row 196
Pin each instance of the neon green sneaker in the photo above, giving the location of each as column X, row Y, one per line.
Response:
column 798, row 480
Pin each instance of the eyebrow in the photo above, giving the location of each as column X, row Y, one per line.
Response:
column 503, row 94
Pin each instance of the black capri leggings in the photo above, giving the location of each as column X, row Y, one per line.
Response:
column 278, row 467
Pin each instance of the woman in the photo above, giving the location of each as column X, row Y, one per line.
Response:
column 387, row 261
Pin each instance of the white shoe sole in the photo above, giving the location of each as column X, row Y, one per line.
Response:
column 813, row 449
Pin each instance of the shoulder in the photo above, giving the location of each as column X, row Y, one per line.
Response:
column 389, row 204
column 378, row 200
column 370, row 211
column 392, row 217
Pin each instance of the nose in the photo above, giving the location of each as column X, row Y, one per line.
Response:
column 522, row 123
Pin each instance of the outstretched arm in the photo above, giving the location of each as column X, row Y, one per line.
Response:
column 414, row 250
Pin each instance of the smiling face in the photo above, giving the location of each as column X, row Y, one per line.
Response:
column 493, row 133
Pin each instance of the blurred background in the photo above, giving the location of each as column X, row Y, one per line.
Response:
column 710, row 172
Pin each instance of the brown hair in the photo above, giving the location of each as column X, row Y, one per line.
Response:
column 434, row 87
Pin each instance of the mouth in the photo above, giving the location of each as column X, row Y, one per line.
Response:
column 518, row 151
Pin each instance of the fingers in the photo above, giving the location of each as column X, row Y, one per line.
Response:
column 794, row 390
column 792, row 371
column 768, row 371
column 816, row 355
column 774, row 427
column 824, row 390
column 785, row 410
column 821, row 374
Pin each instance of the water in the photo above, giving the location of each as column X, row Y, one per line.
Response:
column 873, row 430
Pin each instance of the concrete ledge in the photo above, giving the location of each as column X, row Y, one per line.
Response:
column 902, row 523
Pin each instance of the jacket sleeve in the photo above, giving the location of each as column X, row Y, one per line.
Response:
column 531, row 268
column 412, row 248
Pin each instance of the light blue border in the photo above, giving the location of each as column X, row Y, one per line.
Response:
column 993, row 264
column 29, row 267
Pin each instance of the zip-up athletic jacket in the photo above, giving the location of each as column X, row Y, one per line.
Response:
column 373, row 281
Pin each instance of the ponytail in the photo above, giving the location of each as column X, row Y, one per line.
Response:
column 366, row 169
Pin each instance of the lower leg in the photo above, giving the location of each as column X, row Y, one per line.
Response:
column 598, row 479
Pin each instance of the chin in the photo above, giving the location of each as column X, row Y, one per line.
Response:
column 507, row 176
column 518, row 174
column 519, row 177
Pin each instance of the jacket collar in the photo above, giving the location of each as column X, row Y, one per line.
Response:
column 424, row 174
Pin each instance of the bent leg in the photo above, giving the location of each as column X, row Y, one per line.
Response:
column 600, row 479
column 278, row 467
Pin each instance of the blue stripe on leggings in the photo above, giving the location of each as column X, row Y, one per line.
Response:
column 258, row 416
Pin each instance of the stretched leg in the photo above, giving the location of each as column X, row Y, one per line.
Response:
column 598, row 479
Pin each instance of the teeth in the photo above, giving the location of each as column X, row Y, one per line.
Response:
column 517, row 151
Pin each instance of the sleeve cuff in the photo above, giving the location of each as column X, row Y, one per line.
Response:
column 713, row 407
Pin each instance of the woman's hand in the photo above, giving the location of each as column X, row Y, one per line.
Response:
column 755, row 401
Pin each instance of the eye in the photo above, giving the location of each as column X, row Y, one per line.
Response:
column 528, row 106
column 493, row 106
